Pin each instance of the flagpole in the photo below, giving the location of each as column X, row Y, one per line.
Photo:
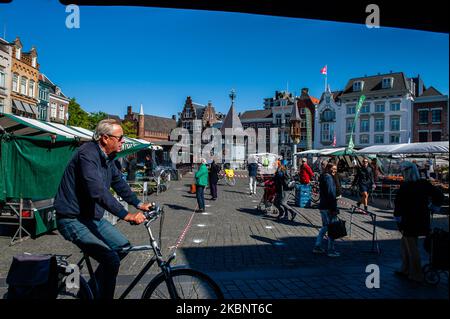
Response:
column 326, row 77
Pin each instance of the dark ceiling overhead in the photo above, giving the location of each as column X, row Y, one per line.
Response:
column 429, row 15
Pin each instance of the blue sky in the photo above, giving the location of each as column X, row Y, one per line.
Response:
column 130, row 55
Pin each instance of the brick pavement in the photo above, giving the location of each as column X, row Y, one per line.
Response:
column 252, row 255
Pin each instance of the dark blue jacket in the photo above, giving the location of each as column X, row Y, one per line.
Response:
column 327, row 188
column 252, row 169
column 84, row 190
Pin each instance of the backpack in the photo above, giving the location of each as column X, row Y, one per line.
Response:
column 33, row 277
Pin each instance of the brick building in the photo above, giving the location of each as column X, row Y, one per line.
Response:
column 430, row 116
column 25, row 77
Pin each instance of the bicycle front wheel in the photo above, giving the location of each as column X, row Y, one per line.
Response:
column 188, row 284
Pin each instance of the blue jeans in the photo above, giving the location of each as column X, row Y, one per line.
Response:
column 101, row 241
column 325, row 221
column 201, row 197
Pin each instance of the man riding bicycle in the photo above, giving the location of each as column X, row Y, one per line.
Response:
column 84, row 195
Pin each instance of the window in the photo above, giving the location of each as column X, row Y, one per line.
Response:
column 302, row 136
column 394, row 138
column 327, row 99
column 327, row 132
column 61, row 112
column 303, row 124
column 302, row 110
column 379, row 125
column 395, row 124
column 365, row 108
column 387, row 83
column 436, row 116
column 328, row 115
column 364, row 125
column 42, row 113
column 379, row 108
column 351, row 109
column 15, row 83
column 2, row 105
column 2, row 78
column 34, row 62
column 423, row 136
column 187, row 113
column 364, row 139
column 349, row 125
column 278, row 119
column 358, row 86
column 260, row 125
column 23, row 85
column 423, row 117
column 53, row 110
column 18, row 52
column 436, row 136
column 395, row 107
column 379, row 139
column 31, row 88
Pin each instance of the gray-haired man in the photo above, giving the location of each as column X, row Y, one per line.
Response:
column 84, row 195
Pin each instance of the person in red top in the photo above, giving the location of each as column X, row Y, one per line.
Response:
column 306, row 173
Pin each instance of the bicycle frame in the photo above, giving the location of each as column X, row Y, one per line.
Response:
column 158, row 258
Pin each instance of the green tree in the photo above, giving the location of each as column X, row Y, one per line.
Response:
column 128, row 129
column 77, row 116
column 94, row 118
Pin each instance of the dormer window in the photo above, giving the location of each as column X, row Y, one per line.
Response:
column 18, row 53
column 387, row 83
column 328, row 115
column 358, row 86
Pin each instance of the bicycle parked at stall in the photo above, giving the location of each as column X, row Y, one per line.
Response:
column 173, row 282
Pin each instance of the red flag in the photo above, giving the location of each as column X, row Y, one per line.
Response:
column 324, row 70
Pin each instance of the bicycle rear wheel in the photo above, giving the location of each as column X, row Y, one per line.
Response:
column 188, row 283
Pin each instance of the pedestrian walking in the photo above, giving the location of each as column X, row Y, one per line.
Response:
column 252, row 172
column 214, row 179
column 412, row 213
column 201, row 181
column 328, row 209
column 365, row 183
column 149, row 165
column 282, row 190
column 131, row 168
column 306, row 173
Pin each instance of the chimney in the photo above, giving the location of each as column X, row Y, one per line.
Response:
column 129, row 110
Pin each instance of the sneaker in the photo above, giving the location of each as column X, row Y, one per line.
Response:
column 365, row 208
column 333, row 254
column 318, row 250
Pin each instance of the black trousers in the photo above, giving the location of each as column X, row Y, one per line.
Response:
column 213, row 187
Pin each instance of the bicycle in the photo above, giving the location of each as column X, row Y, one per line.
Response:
column 173, row 282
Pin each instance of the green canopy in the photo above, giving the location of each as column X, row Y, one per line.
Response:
column 32, row 167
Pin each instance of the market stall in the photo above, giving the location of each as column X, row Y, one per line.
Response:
column 33, row 157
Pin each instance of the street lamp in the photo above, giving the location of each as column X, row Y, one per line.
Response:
column 295, row 132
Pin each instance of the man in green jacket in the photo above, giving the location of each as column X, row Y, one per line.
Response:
column 201, row 180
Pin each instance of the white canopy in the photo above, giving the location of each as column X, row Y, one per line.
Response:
column 407, row 148
column 324, row 151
